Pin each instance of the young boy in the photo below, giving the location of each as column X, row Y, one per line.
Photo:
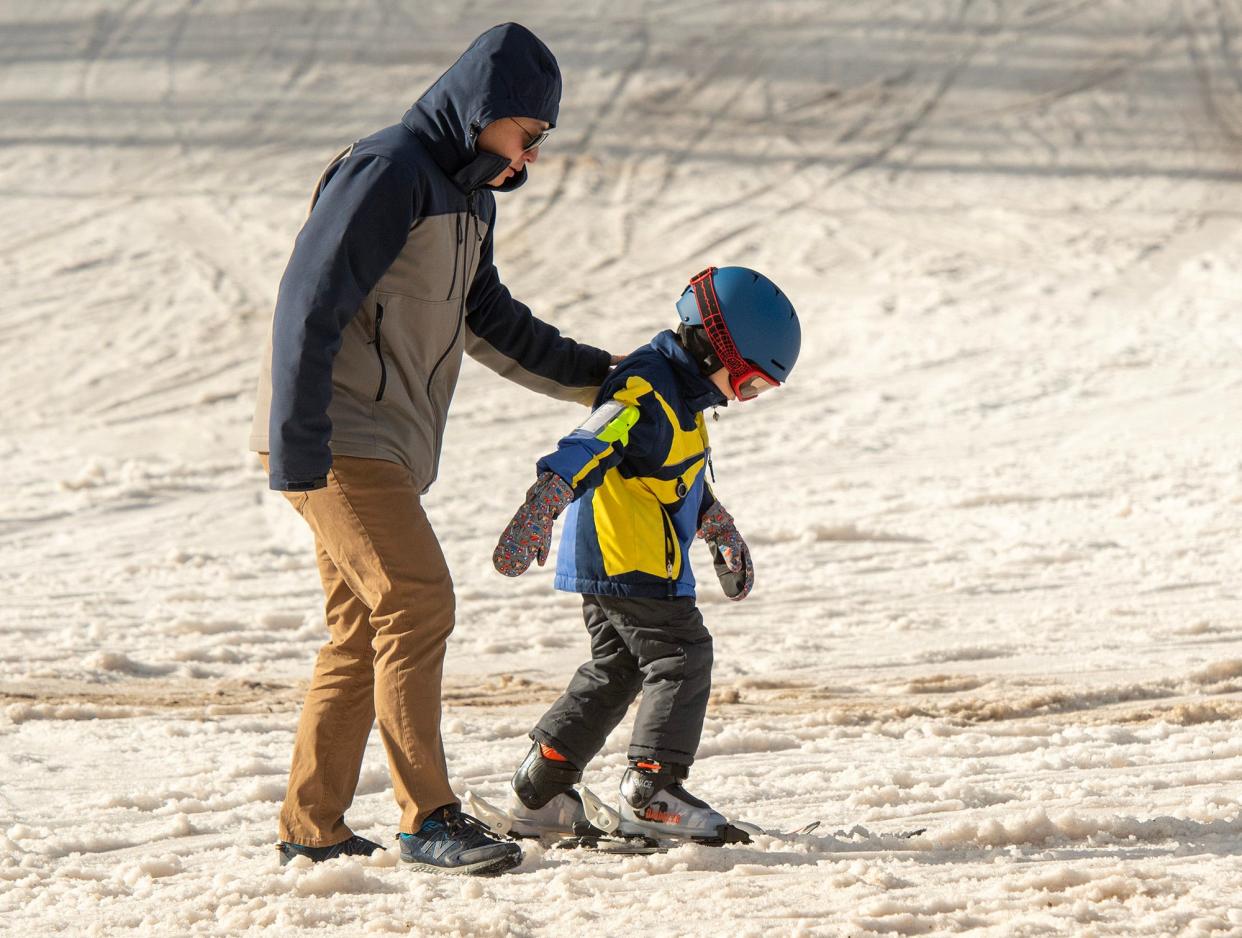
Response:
column 632, row 478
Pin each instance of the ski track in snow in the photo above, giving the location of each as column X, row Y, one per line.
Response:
column 994, row 515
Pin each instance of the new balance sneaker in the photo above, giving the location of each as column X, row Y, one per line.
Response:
column 355, row 846
column 451, row 841
column 654, row 804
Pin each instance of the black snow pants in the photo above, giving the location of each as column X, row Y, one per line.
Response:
column 658, row 646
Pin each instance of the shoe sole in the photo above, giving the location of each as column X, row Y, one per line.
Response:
column 492, row 867
column 287, row 858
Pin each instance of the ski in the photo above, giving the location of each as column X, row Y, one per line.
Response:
column 858, row 832
column 612, row 843
column 755, row 830
column 602, row 833
column 642, row 844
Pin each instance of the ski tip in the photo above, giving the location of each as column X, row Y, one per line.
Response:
column 756, row 831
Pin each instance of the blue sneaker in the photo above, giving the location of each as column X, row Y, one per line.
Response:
column 453, row 842
column 355, row 846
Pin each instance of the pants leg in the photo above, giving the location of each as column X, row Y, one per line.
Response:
column 598, row 695
column 339, row 706
column 371, row 525
column 673, row 649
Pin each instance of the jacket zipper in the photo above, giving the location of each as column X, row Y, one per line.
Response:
column 379, row 318
column 456, row 257
column 461, row 312
column 669, row 548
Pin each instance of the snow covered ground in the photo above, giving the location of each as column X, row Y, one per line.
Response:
column 995, row 514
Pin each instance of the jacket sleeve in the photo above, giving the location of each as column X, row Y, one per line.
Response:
column 358, row 226
column 504, row 335
column 629, row 426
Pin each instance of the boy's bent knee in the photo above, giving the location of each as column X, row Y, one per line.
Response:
column 699, row 657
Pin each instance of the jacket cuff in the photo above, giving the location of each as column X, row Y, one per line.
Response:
column 603, row 365
column 280, row 483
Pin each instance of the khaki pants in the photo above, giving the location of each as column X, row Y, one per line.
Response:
column 390, row 610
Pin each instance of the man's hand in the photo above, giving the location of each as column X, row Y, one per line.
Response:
column 529, row 535
column 729, row 552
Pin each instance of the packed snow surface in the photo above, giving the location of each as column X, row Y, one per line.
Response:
column 995, row 512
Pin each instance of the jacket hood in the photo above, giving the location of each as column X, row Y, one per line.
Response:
column 506, row 72
column 700, row 393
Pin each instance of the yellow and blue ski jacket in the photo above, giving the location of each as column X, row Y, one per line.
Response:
column 637, row 467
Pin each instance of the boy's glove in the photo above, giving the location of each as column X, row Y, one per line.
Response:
column 529, row 535
column 730, row 554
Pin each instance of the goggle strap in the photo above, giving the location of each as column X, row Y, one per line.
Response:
column 713, row 321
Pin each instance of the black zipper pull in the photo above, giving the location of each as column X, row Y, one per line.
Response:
column 474, row 216
column 669, row 551
column 379, row 351
column 711, row 470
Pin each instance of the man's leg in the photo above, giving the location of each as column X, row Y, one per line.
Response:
column 673, row 649
column 600, row 692
column 371, row 524
column 336, row 720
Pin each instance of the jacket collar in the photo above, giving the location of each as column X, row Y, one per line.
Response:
column 506, row 72
column 698, row 392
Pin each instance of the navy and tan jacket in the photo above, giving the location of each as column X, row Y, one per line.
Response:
column 392, row 278
column 638, row 470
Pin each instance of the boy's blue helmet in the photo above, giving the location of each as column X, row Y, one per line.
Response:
column 757, row 316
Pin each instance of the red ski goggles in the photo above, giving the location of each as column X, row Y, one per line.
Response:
column 747, row 381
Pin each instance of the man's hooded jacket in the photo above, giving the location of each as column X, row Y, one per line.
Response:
column 392, row 278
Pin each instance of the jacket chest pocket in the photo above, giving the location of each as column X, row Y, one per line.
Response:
column 414, row 346
column 439, row 259
column 673, row 490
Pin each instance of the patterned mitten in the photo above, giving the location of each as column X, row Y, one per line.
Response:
column 529, row 535
column 729, row 551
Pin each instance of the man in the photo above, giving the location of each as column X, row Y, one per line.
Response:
column 390, row 280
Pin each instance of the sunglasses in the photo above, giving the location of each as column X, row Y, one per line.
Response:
column 535, row 141
column 747, row 381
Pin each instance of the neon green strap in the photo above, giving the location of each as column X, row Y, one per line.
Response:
column 617, row 430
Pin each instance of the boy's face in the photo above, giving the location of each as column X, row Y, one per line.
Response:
column 516, row 138
column 720, row 378
column 752, row 385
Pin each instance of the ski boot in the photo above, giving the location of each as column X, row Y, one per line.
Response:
column 654, row 805
column 544, row 802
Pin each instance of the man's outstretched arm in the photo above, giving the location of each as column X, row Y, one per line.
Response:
column 504, row 335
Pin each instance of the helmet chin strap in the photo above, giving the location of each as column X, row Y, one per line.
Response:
column 694, row 340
